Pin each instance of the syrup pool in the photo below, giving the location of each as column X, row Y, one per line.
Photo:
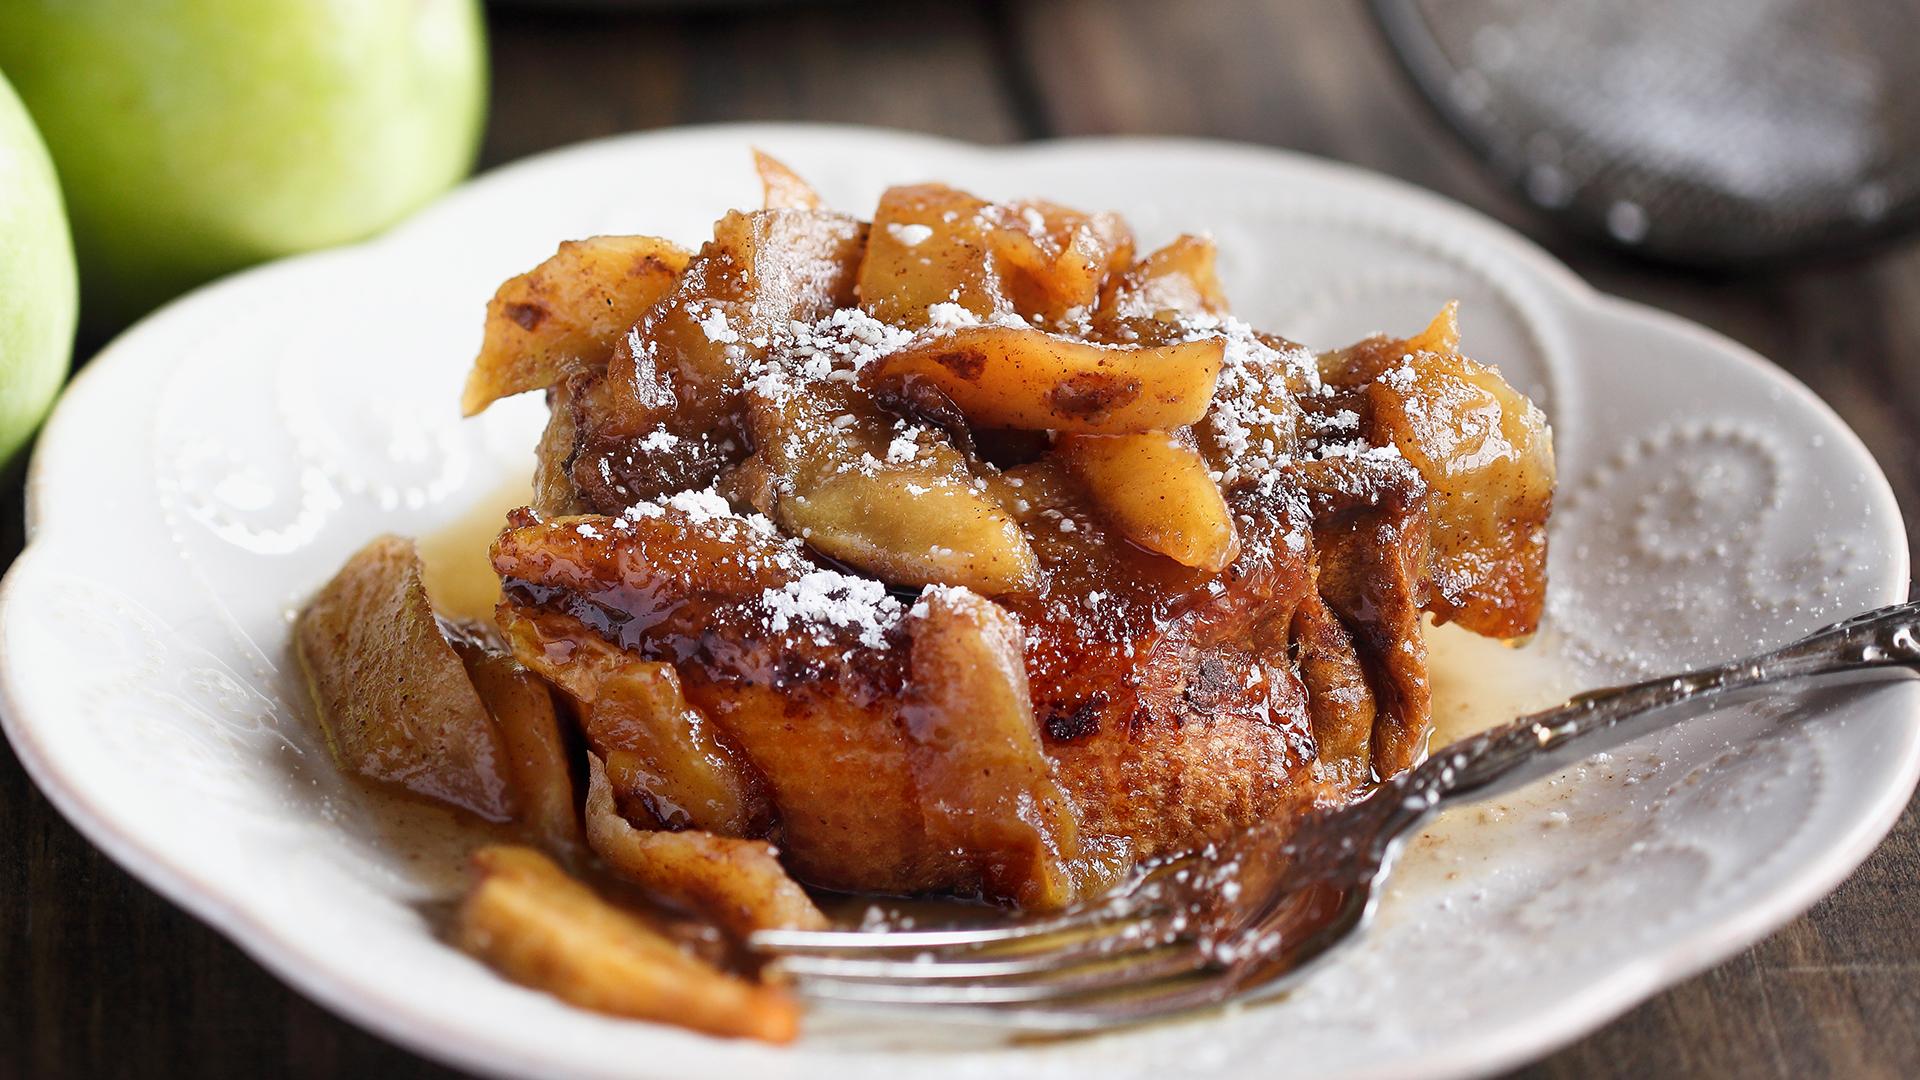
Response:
column 1479, row 683
column 453, row 558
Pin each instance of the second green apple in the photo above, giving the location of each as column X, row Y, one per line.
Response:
column 194, row 137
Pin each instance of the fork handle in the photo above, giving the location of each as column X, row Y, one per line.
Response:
column 1542, row 743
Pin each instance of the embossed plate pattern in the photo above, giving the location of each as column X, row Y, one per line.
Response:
column 217, row 462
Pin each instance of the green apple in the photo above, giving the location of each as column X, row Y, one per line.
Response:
column 194, row 137
column 38, row 291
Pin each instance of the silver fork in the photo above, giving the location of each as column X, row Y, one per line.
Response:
column 1246, row 920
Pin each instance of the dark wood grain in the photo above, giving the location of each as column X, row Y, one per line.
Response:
column 99, row 977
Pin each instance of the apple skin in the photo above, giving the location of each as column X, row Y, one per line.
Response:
column 39, row 292
column 194, row 137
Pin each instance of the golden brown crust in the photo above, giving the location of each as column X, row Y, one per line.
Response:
column 1172, row 712
column 554, row 492
column 1370, row 531
column 1339, row 701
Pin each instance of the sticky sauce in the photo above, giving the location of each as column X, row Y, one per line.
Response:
column 1480, row 683
column 460, row 579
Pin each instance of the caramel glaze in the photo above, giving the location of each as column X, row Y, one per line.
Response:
column 1173, row 704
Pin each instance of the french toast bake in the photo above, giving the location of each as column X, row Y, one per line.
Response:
column 965, row 551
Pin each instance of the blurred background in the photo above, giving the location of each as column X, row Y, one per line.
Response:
column 1750, row 164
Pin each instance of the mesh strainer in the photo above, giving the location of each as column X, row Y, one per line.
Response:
column 1699, row 131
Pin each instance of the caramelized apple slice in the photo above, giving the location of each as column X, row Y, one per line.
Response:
column 944, row 531
column 932, row 245
column 680, row 370
column 1013, row 378
column 538, row 926
column 739, row 884
column 393, row 697
column 536, row 752
column 1176, row 280
column 701, row 553
column 1054, row 262
column 664, row 417
column 1442, row 334
column 1487, row 453
column 985, row 785
column 659, row 745
column 568, row 312
column 1156, row 490
column 782, row 187
column 660, row 751
column 891, row 498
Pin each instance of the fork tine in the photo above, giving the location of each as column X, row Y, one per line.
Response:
column 1169, row 997
column 1139, row 898
column 795, row 942
column 1143, row 968
column 1118, row 942
column 1145, row 984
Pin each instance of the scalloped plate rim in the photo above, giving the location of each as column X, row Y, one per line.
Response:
column 391, row 1017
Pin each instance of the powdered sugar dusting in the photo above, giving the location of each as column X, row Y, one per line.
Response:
column 829, row 598
column 714, row 324
column 912, row 234
column 701, row 506
column 1252, row 417
column 835, row 348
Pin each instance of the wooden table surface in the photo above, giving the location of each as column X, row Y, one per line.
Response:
column 100, row 977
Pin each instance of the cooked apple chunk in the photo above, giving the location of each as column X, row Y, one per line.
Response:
column 568, row 312
column 1486, row 452
column 1177, row 280
column 738, row 883
column 782, row 188
column 392, row 695
column 908, row 532
column 664, row 416
column 932, row 246
column 985, row 783
column 1054, row 262
column 1008, row 377
column 662, row 754
column 893, row 498
column 760, row 272
column 1158, row 492
column 536, row 750
column 540, row 927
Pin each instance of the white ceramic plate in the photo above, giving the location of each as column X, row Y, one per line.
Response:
column 217, row 462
